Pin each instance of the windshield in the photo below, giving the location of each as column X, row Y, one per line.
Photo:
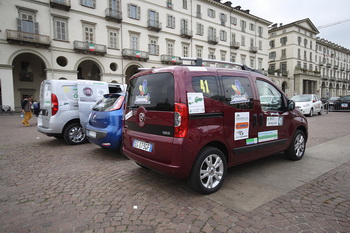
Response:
column 334, row 98
column 106, row 103
column 265, row 98
column 302, row 98
column 152, row 91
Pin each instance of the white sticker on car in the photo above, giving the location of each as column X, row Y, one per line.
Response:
column 195, row 102
column 267, row 136
column 274, row 121
column 241, row 130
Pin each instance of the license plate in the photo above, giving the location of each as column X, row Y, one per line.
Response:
column 142, row 145
column 91, row 134
column 344, row 105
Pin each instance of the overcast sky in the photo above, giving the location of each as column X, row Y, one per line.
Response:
column 320, row 12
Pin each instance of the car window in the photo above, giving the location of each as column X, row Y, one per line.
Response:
column 238, row 92
column 266, row 89
column 207, row 85
column 107, row 102
column 152, row 91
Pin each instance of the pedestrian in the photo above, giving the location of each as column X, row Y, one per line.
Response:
column 36, row 108
column 27, row 110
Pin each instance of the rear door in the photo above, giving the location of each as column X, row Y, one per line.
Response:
column 240, row 115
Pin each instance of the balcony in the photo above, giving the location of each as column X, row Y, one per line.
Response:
column 342, row 69
column 235, row 45
column 332, row 78
column 28, row 38
column 135, row 54
column 113, row 15
column 329, row 65
column 185, row 33
column 170, row 60
column 213, row 40
column 154, row 25
column 325, row 77
column 90, row 48
column 253, row 49
column 60, row 4
column 336, row 67
column 321, row 63
column 198, row 15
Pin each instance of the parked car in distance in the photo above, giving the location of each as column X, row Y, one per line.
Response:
column 339, row 103
column 104, row 127
column 269, row 100
column 308, row 104
column 193, row 122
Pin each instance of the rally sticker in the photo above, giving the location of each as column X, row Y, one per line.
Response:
column 240, row 95
column 274, row 121
column 195, row 102
column 144, row 97
column 128, row 115
column 250, row 141
column 267, row 136
column 241, row 130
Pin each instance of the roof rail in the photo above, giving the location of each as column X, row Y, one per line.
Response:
column 199, row 62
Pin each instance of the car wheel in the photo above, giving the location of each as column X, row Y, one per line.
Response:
column 209, row 171
column 297, row 147
column 73, row 134
column 311, row 112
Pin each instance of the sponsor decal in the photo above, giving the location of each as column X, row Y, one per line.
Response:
column 195, row 102
column 250, row 141
column 267, row 136
column 274, row 121
column 144, row 97
column 87, row 91
column 241, row 129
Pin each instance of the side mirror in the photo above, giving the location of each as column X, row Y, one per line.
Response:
column 291, row 105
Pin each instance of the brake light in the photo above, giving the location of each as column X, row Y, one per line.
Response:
column 54, row 104
column 181, row 120
column 118, row 103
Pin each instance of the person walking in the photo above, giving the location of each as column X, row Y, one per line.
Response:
column 27, row 110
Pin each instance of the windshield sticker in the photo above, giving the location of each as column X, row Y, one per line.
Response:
column 267, row 136
column 274, row 121
column 250, row 141
column 197, row 68
column 144, row 97
column 241, row 130
column 240, row 95
column 195, row 103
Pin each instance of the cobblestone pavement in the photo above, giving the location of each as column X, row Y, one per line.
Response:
column 48, row 186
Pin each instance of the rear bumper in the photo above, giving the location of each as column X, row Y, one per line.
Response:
column 107, row 138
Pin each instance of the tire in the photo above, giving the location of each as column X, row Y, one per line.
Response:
column 297, row 147
column 209, row 171
column 73, row 134
column 311, row 112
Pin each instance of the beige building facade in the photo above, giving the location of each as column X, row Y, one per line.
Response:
column 302, row 63
column 109, row 40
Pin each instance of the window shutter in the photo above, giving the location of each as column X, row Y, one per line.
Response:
column 225, row 36
column 209, row 12
column 19, row 24
column 157, row 16
column 36, row 28
column 213, row 14
column 157, row 50
column 129, row 12
column 202, row 29
column 94, row 3
column 149, row 48
column 214, row 32
column 173, row 22
column 138, row 12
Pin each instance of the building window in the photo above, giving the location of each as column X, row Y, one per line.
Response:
column 305, row 43
column 211, row 53
column 299, row 40
column 184, row 4
column 170, row 21
column 200, row 29
column 153, row 46
column 260, row 31
column 211, row 13
column 243, row 25
column 260, row 61
column 88, row 3
column 89, row 33
column 184, row 25
column 185, row 50
column 252, row 62
column 233, row 20
column 251, row 27
column 199, row 51
column 26, row 22
column 284, row 52
column 243, row 40
column 283, row 40
column 223, row 55
column 60, row 29
column 272, row 56
column 113, row 39
column 134, row 41
column 170, row 47
column 233, row 38
column 260, row 44
column 272, row 44
column 223, row 35
column 233, row 57
column 223, row 18
column 133, row 11
column 243, row 57
column 199, row 12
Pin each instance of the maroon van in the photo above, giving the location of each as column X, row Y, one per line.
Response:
column 194, row 121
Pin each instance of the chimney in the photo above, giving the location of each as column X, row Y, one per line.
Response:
column 228, row 3
column 238, row 7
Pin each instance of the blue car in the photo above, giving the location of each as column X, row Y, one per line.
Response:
column 104, row 127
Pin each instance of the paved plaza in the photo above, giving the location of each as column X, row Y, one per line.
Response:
column 48, row 186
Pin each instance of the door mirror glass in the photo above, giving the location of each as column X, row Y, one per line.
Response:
column 291, row 105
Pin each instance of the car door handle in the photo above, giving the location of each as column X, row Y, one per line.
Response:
column 261, row 119
column 255, row 120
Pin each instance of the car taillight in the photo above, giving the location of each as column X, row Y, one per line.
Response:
column 54, row 104
column 118, row 103
column 181, row 120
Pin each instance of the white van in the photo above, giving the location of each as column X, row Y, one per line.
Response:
column 65, row 106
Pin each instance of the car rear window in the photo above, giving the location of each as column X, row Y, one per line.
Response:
column 152, row 91
column 106, row 103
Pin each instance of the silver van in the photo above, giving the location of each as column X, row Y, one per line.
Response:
column 65, row 106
